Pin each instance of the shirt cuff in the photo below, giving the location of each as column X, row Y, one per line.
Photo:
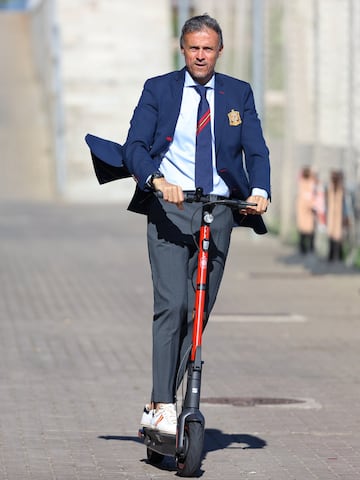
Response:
column 259, row 192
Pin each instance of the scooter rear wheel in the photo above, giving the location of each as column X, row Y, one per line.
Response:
column 154, row 457
column 189, row 464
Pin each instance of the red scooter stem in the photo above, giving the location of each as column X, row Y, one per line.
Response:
column 201, row 287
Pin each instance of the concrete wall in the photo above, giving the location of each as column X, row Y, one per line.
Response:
column 54, row 90
column 109, row 48
column 26, row 155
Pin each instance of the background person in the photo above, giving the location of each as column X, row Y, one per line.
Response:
column 336, row 216
column 305, row 210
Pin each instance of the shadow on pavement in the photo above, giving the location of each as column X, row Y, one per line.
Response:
column 318, row 266
column 214, row 440
column 123, row 438
column 218, row 440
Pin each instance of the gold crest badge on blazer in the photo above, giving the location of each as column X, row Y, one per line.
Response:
column 234, row 118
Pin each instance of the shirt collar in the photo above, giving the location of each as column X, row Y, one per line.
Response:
column 189, row 81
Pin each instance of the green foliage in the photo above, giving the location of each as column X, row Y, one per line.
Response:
column 275, row 121
column 357, row 259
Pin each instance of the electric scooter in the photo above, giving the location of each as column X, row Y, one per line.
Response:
column 187, row 445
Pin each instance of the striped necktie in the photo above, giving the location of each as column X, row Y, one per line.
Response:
column 203, row 152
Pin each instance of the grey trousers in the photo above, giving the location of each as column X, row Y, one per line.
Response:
column 173, row 261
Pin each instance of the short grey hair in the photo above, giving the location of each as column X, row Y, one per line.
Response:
column 199, row 22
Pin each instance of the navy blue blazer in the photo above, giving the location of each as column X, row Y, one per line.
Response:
column 242, row 157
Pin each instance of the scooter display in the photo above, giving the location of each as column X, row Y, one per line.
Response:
column 187, row 445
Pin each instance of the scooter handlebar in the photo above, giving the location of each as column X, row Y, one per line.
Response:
column 212, row 199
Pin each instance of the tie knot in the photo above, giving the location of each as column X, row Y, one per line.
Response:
column 201, row 90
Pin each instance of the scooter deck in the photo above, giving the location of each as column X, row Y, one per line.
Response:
column 162, row 443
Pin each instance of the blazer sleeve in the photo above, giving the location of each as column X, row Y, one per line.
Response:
column 107, row 157
column 256, row 152
column 141, row 136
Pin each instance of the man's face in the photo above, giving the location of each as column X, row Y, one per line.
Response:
column 201, row 51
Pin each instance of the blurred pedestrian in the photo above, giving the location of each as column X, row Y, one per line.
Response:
column 305, row 210
column 336, row 216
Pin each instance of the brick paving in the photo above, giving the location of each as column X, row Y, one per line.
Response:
column 75, row 325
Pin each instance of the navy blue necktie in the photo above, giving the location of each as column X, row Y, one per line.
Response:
column 203, row 152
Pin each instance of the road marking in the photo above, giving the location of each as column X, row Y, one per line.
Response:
column 259, row 318
column 299, row 403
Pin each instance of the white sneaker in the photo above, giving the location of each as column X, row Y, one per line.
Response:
column 164, row 419
column 146, row 419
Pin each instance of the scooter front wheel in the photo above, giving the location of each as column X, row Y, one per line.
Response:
column 188, row 465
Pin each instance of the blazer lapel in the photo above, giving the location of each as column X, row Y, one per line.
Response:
column 177, row 87
column 220, row 110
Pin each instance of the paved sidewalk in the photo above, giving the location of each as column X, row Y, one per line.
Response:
column 75, row 325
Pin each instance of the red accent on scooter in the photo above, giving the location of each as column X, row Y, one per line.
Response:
column 200, row 294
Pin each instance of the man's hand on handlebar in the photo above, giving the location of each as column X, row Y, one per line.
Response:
column 171, row 193
column 174, row 194
column 260, row 208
